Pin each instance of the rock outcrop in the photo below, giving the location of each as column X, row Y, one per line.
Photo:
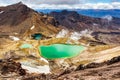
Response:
column 96, row 71
column 108, row 37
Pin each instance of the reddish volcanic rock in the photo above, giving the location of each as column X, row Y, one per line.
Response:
column 18, row 18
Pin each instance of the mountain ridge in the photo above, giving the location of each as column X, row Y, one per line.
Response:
column 75, row 21
column 18, row 18
column 96, row 13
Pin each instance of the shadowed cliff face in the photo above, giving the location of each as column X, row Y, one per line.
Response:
column 75, row 21
column 20, row 19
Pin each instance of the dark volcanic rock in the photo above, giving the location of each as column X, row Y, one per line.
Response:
column 9, row 67
column 73, row 20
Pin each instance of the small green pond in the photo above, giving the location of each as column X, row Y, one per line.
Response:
column 25, row 46
column 60, row 51
column 37, row 36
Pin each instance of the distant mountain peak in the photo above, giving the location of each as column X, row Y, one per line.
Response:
column 20, row 2
column 17, row 4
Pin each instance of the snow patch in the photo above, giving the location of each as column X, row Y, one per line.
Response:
column 62, row 33
column 78, row 35
column 44, row 60
column 86, row 33
column 75, row 36
column 1, row 12
column 32, row 27
column 38, row 69
column 14, row 38
column 108, row 17
column 94, row 24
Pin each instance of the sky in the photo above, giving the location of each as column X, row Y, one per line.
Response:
column 66, row 4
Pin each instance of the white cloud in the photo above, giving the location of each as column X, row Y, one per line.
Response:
column 63, row 4
column 113, row 5
column 38, row 2
column 58, row 1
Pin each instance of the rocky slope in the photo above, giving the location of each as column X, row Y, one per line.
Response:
column 108, row 37
column 75, row 21
column 18, row 63
column 104, row 29
column 18, row 19
column 107, row 70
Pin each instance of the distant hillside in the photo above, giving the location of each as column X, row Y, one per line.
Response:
column 73, row 20
column 103, row 28
column 88, row 12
